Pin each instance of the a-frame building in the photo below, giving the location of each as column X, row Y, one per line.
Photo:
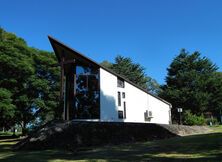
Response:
column 91, row 92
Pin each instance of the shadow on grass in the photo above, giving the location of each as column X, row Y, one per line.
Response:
column 10, row 140
column 8, row 137
column 207, row 147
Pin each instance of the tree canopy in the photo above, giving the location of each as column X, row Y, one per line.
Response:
column 133, row 72
column 7, row 109
column 28, row 82
column 192, row 83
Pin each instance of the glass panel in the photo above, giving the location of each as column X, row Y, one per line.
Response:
column 119, row 99
column 123, row 94
column 87, row 93
column 120, row 83
column 120, row 114
column 124, row 106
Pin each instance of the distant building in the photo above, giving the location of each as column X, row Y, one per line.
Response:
column 92, row 92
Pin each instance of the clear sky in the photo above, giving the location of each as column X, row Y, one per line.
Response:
column 151, row 32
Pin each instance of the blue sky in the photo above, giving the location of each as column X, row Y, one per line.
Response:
column 151, row 32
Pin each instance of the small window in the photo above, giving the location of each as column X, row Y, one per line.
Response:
column 120, row 83
column 119, row 99
column 124, row 106
column 120, row 114
column 123, row 94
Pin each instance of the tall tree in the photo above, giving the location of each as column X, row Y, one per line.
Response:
column 28, row 75
column 134, row 72
column 16, row 67
column 7, row 109
column 189, row 83
column 106, row 64
column 215, row 88
column 45, row 84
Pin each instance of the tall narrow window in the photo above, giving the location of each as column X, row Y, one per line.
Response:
column 119, row 99
column 124, row 106
column 86, row 100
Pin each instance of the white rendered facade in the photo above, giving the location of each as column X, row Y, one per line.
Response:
column 137, row 102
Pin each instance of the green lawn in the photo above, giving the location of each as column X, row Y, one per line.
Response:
column 9, row 134
column 217, row 129
column 206, row 147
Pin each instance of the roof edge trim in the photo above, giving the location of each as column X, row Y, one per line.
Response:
column 53, row 41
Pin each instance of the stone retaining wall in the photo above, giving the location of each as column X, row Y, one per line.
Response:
column 73, row 134
column 77, row 134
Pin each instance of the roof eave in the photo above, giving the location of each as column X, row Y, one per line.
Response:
column 53, row 41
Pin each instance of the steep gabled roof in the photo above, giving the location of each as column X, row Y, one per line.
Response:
column 57, row 44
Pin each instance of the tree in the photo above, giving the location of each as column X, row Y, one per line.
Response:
column 45, row 84
column 31, row 79
column 215, row 88
column 106, row 64
column 133, row 72
column 16, row 66
column 152, row 86
column 7, row 109
column 189, row 83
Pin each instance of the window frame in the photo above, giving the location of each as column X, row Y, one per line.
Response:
column 119, row 98
column 124, row 109
column 123, row 95
column 120, row 114
column 120, row 82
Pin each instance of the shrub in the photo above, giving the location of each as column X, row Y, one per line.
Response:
column 192, row 119
column 213, row 121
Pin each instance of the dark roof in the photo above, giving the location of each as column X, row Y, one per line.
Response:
column 55, row 42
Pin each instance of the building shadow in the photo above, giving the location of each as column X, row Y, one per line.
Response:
column 108, row 108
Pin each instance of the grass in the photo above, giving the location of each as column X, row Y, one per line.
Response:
column 216, row 128
column 205, row 147
column 5, row 134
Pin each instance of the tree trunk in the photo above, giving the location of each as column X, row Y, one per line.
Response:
column 24, row 131
column 13, row 131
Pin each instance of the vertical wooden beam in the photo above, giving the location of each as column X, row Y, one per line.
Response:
column 70, row 91
column 74, row 92
column 62, row 79
column 67, row 92
column 62, row 92
column 67, row 95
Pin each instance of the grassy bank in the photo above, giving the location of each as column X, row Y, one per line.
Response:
column 8, row 134
column 205, row 147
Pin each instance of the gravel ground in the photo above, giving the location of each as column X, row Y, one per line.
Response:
column 183, row 130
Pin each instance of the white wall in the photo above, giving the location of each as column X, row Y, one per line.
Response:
column 108, row 96
column 137, row 102
column 160, row 110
